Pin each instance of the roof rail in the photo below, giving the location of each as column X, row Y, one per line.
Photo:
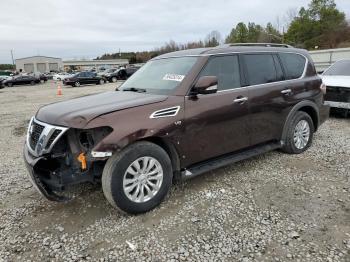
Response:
column 256, row 44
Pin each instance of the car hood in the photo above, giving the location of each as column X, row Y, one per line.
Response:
column 330, row 80
column 78, row 112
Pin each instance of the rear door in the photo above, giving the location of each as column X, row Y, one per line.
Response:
column 216, row 124
column 270, row 96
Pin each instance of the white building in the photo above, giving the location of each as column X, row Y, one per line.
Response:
column 39, row 64
column 89, row 64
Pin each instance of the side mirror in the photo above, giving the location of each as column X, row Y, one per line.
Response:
column 206, row 85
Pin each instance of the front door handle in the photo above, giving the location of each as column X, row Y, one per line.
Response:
column 240, row 100
column 286, row 91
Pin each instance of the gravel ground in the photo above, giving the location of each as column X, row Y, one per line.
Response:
column 274, row 207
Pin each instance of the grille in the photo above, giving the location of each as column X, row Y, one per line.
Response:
column 337, row 94
column 37, row 129
column 53, row 137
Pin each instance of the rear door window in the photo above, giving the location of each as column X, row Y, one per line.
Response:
column 261, row 69
column 293, row 64
column 226, row 69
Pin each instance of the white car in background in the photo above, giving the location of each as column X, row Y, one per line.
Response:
column 337, row 80
column 61, row 76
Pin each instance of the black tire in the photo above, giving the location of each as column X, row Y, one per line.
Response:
column 9, row 84
column 289, row 144
column 32, row 83
column 115, row 168
column 77, row 84
column 345, row 113
column 114, row 79
column 101, row 82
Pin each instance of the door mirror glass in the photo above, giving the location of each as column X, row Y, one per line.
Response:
column 206, row 85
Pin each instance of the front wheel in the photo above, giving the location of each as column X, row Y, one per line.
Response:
column 32, row 83
column 9, row 84
column 114, row 79
column 101, row 82
column 137, row 179
column 77, row 84
column 299, row 134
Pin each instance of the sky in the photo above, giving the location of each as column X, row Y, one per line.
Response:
column 74, row 29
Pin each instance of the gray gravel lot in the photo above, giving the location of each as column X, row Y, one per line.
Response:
column 274, row 207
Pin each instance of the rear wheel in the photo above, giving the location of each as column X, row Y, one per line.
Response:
column 299, row 134
column 114, row 79
column 137, row 179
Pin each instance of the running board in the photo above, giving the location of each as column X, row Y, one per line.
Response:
column 225, row 160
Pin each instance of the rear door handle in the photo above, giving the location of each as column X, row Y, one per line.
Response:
column 286, row 91
column 240, row 100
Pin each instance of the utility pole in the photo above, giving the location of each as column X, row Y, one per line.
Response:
column 13, row 61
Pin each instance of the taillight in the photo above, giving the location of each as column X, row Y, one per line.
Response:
column 323, row 88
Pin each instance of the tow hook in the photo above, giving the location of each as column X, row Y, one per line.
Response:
column 82, row 159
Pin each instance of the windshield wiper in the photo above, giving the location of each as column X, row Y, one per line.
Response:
column 134, row 89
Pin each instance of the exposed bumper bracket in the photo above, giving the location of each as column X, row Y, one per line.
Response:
column 34, row 179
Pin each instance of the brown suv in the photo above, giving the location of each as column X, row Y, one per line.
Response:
column 180, row 115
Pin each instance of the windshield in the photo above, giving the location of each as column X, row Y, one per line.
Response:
column 160, row 76
column 340, row 68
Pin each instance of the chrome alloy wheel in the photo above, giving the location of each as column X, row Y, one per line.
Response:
column 301, row 134
column 143, row 179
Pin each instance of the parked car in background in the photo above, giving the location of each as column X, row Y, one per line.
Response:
column 50, row 75
column 83, row 78
column 42, row 77
column 61, row 76
column 3, row 78
column 192, row 111
column 121, row 74
column 337, row 80
column 106, row 72
column 21, row 80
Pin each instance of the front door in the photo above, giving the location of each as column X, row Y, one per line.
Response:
column 216, row 124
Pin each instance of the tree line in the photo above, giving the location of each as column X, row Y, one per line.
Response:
column 321, row 25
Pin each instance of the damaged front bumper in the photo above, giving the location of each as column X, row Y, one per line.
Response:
column 44, row 189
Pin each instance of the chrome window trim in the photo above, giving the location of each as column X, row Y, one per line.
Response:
column 255, row 52
column 44, row 136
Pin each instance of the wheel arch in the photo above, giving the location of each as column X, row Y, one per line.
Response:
column 169, row 148
column 308, row 107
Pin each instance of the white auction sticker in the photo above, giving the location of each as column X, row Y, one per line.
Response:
column 174, row 77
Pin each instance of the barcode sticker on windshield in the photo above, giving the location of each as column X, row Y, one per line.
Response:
column 173, row 77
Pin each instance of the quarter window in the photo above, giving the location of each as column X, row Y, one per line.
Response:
column 293, row 64
column 226, row 69
column 261, row 69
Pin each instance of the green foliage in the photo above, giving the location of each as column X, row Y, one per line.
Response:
column 253, row 33
column 7, row 67
column 320, row 25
